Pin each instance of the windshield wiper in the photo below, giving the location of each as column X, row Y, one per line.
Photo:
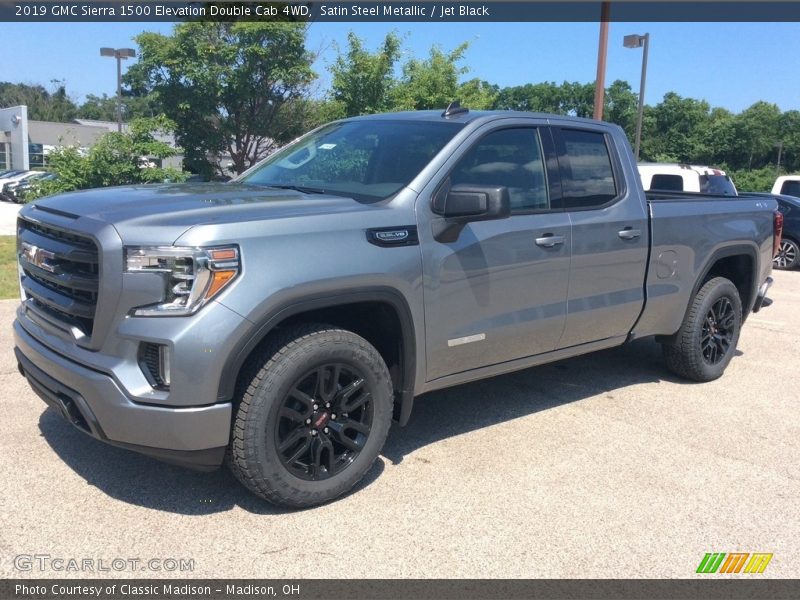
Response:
column 296, row 188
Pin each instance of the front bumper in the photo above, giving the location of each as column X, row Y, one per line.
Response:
column 93, row 402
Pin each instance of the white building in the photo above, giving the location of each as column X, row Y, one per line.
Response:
column 24, row 144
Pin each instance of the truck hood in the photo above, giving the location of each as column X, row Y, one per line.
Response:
column 187, row 205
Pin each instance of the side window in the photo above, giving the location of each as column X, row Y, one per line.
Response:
column 672, row 183
column 587, row 177
column 511, row 158
column 791, row 188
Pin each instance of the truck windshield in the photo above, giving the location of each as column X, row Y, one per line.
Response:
column 717, row 185
column 367, row 160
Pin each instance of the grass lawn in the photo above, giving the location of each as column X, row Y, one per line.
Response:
column 9, row 286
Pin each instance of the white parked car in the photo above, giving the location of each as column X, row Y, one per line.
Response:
column 17, row 176
column 686, row 178
column 788, row 185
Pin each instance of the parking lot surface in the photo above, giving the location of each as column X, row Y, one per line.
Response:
column 8, row 218
column 601, row 466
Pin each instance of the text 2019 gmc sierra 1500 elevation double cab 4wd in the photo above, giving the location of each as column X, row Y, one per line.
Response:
column 286, row 317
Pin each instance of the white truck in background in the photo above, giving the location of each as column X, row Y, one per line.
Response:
column 788, row 185
column 675, row 177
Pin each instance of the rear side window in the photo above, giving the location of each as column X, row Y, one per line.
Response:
column 718, row 185
column 791, row 188
column 587, row 177
column 670, row 183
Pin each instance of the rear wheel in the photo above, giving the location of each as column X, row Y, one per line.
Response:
column 706, row 341
column 788, row 255
column 314, row 411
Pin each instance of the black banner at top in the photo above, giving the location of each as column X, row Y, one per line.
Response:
column 400, row 11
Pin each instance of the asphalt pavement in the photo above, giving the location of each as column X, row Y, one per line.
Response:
column 600, row 466
column 8, row 218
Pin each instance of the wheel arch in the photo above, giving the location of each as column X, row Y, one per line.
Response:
column 740, row 264
column 388, row 326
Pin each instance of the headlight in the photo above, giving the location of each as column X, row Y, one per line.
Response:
column 192, row 276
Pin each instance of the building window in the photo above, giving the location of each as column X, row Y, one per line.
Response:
column 5, row 155
column 35, row 155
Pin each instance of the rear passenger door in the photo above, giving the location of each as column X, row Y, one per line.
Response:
column 609, row 238
column 497, row 292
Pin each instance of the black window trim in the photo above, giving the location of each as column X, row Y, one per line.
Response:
column 616, row 166
column 550, row 164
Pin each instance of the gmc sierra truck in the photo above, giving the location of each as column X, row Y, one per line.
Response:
column 282, row 321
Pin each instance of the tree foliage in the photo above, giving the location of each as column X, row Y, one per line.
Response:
column 116, row 159
column 225, row 85
column 243, row 89
column 104, row 108
column 363, row 81
column 42, row 105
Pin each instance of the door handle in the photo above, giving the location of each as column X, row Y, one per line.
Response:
column 629, row 234
column 548, row 240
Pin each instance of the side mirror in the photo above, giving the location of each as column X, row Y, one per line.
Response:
column 471, row 202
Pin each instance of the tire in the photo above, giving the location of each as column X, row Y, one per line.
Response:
column 290, row 453
column 788, row 255
column 706, row 341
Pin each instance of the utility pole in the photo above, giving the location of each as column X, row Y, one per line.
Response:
column 602, row 51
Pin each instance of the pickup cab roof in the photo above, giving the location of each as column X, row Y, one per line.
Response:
column 677, row 177
column 788, row 185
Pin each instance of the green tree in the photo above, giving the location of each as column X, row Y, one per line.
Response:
column 116, row 159
column 621, row 107
column 789, row 132
column 671, row 129
column 757, row 132
column 535, row 97
column 104, row 108
column 42, row 104
column 363, row 81
column 225, row 85
column 433, row 82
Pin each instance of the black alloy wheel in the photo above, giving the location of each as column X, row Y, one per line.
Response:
column 324, row 422
column 718, row 331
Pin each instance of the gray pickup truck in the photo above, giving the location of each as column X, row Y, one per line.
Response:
column 283, row 320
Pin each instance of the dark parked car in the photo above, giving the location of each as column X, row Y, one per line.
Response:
column 788, row 256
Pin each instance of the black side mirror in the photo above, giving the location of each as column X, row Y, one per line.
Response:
column 471, row 202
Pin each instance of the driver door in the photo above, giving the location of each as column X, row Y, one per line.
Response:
column 498, row 292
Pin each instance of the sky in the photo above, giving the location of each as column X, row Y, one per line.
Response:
column 731, row 65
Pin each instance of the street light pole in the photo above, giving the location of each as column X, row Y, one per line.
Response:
column 637, row 41
column 120, row 54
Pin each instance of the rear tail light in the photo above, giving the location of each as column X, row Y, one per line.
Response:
column 778, row 232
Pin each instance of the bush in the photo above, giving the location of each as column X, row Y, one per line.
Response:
column 753, row 180
column 116, row 159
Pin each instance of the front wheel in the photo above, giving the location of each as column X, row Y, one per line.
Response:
column 788, row 255
column 706, row 341
column 314, row 411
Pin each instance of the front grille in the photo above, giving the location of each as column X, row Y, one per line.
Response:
column 60, row 273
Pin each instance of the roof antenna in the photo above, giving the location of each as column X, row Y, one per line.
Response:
column 454, row 108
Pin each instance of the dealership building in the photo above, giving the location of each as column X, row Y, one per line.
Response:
column 24, row 144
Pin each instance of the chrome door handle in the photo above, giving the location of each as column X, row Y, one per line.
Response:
column 629, row 234
column 549, row 240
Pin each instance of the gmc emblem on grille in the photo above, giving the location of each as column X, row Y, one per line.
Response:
column 38, row 257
